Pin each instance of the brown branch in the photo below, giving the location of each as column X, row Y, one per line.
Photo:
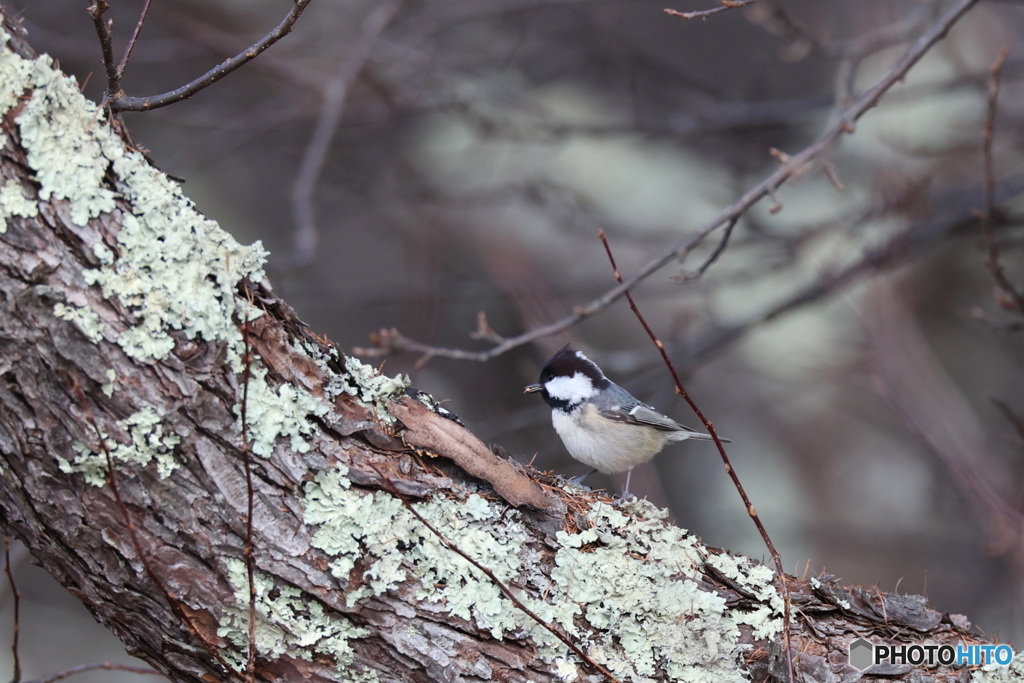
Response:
column 104, row 31
column 506, row 591
column 722, row 244
column 391, row 341
column 106, row 666
column 17, row 610
column 250, row 568
column 952, row 216
column 705, row 13
column 751, row 510
column 992, row 261
column 119, row 102
column 1015, row 420
column 131, row 43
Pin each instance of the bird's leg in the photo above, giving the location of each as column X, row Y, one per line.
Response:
column 625, row 489
column 578, row 480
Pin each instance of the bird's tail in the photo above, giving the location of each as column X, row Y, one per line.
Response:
column 699, row 436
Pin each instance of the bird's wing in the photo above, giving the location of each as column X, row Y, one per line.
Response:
column 642, row 414
column 645, row 415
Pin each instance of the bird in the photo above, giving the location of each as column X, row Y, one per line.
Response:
column 601, row 424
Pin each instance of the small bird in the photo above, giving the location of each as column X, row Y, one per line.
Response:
column 600, row 423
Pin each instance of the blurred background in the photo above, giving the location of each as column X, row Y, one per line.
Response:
column 412, row 164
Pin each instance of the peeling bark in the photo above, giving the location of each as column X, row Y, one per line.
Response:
column 62, row 381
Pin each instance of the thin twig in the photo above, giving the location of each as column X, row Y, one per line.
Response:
column 506, row 591
column 334, row 94
column 722, row 244
column 951, row 218
column 992, row 261
column 131, row 43
column 125, row 103
column 705, row 13
column 751, row 510
column 104, row 31
column 392, row 341
column 82, row 668
column 1011, row 416
column 17, row 609
column 250, row 569
column 134, row 537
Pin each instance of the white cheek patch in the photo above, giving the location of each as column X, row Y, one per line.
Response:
column 572, row 389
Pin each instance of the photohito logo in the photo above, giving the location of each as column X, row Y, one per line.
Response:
column 864, row 654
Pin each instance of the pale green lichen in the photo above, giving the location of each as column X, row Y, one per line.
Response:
column 996, row 673
column 66, row 143
column 288, row 622
column 149, row 443
column 175, row 269
column 756, row 578
column 14, row 203
column 277, row 412
column 172, row 268
column 108, row 388
column 625, row 589
column 85, row 318
column 371, row 388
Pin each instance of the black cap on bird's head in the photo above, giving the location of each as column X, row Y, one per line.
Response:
column 568, row 379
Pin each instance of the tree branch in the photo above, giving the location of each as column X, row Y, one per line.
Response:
column 119, row 102
column 391, row 341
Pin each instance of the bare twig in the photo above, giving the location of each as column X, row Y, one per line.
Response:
column 17, row 610
column 992, row 261
column 106, row 666
column 143, row 556
column 751, row 510
column 250, row 569
column 505, row 590
column 1011, row 416
column 484, row 330
column 131, row 43
column 334, row 93
column 118, row 101
column 392, row 341
column 722, row 244
column 104, row 31
column 705, row 13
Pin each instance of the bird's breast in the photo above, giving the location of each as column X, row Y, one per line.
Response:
column 604, row 444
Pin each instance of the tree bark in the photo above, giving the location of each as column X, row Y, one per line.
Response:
column 388, row 543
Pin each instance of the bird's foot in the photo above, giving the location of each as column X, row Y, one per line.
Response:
column 578, row 481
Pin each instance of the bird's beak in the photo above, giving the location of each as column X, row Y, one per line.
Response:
column 532, row 389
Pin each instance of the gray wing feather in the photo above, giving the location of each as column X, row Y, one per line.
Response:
column 621, row 406
column 642, row 414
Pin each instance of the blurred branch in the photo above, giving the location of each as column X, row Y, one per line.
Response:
column 705, row 13
column 954, row 217
column 391, row 341
column 992, row 261
column 334, row 94
column 1016, row 420
column 912, row 381
column 104, row 666
column 118, row 101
